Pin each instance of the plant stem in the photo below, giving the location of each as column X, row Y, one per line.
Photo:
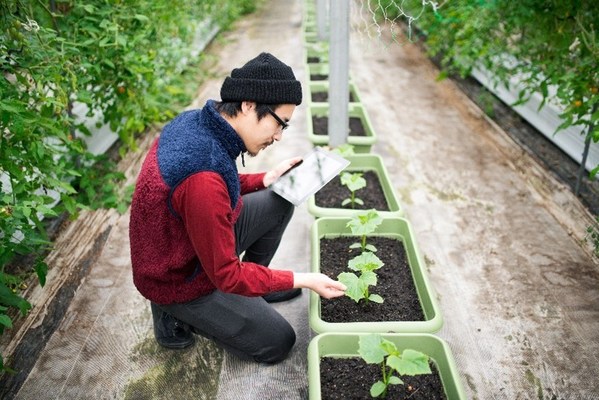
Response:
column 385, row 379
column 585, row 153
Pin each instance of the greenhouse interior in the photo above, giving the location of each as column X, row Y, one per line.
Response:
column 449, row 151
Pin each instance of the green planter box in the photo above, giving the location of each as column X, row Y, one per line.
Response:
column 323, row 87
column 311, row 37
column 347, row 344
column 317, row 69
column 393, row 227
column 358, row 163
column 362, row 144
column 320, row 50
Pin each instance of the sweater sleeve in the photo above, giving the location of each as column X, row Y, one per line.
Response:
column 203, row 203
column 251, row 182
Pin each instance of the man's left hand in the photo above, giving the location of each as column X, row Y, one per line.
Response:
column 271, row 176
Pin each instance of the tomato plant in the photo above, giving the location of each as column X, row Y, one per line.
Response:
column 124, row 61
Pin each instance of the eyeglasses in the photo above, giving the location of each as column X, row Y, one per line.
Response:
column 284, row 125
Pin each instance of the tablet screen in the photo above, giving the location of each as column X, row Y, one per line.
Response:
column 316, row 170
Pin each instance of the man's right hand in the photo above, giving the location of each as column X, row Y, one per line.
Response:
column 320, row 283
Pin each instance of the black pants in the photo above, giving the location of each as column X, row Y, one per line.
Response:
column 246, row 326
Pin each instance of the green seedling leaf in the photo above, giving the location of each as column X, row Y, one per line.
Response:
column 378, row 389
column 369, row 247
column 354, row 286
column 345, row 149
column 410, row 362
column 365, row 223
column 375, row 298
column 353, row 181
column 394, row 380
column 370, row 349
column 357, row 286
column 366, row 261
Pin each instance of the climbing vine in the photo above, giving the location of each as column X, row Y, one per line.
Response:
column 127, row 61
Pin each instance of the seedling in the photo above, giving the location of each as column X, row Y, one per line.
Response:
column 345, row 149
column 354, row 182
column 357, row 285
column 364, row 224
column 374, row 349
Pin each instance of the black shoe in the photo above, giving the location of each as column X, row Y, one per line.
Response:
column 169, row 331
column 276, row 297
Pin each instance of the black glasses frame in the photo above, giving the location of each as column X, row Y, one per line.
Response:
column 284, row 125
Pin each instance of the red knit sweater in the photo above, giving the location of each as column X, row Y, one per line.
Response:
column 176, row 260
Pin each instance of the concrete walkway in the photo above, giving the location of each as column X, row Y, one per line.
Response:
column 518, row 292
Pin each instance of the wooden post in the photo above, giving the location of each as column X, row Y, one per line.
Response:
column 339, row 72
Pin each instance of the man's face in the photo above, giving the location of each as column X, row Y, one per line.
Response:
column 258, row 135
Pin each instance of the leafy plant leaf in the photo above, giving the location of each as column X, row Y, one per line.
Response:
column 377, row 389
column 370, row 348
column 411, row 362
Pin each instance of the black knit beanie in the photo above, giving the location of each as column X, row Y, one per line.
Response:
column 264, row 79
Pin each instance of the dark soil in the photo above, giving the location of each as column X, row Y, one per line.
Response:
column 323, row 97
column 320, row 125
column 395, row 283
column 319, row 77
column 351, row 378
column 560, row 164
column 333, row 194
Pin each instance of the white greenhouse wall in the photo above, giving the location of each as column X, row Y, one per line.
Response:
column 546, row 120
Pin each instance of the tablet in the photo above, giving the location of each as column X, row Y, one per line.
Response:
column 307, row 177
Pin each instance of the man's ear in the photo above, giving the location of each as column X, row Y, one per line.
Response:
column 247, row 106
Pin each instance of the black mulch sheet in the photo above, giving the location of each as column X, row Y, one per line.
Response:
column 323, row 97
column 320, row 126
column 373, row 196
column 351, row 378
column 395, row 283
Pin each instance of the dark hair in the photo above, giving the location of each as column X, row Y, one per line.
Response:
column 232, row 108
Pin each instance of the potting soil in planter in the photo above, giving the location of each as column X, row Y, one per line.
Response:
column 373, row 196
column 319, row 77
column 323, row 97
column 351, row 378
column 395, row 283
column 321, row 124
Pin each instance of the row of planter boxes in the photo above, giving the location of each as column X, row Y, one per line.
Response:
column 339, row 340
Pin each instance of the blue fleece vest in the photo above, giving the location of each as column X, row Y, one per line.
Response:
column 196, row 141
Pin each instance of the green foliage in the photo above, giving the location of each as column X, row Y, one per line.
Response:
column 550, row 48
column 364, row 224
column 124, row 61
column 357, row 285
column 345, row 149
column 593, row 235
column 354, row 182
column 374, row 349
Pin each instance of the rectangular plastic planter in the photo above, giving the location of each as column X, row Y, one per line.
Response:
column 323, row 87
column 393, row 227
column 362, row 162
column 347, row 344
column 320, row 50
column 317, row 69
column 362, row 144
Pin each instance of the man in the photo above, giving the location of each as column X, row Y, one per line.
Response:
column 193, row 215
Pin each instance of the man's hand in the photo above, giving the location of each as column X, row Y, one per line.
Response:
column 320, row 283
column 279, row 170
